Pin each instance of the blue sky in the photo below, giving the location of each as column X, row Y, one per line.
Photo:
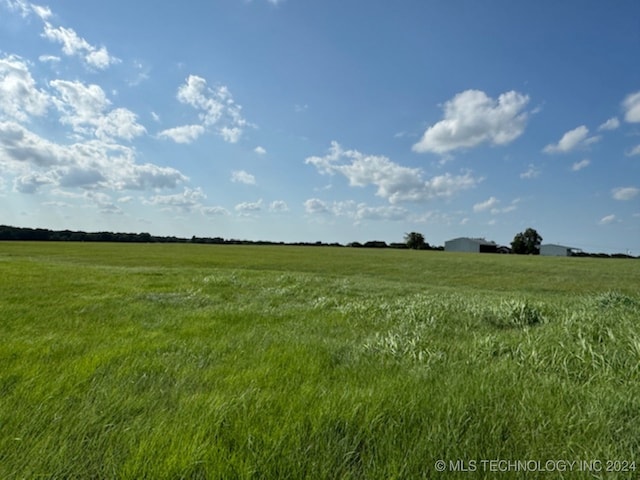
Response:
column 339, row 121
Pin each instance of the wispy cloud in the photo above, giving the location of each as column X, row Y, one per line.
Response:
column 532, row 172
column 577, row 166
column 634, row 151
column 625, row 193
column 183, row 134
column 631, row 105
column 610, row 124
column 486, row 205
column 607, row 220
column 472, row 118
column 578, row 137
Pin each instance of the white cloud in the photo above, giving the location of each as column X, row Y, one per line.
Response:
column 385, row 212
column 531, row 173
column 20, row 6
column 610, row 124
column 358, row 212
column 84, row 108
column 486, row 205
column 578, row 137
column 74, row 45
column 185, row 201
column 20, row 146
column 49, row 59
column 577, row 166
column 278, row 206
column 183, row 134
column 260, row 150
column 394, row 182
column 216, row 107
column 43, row 12
column 214, row 211
column 315, row 205
column 31, row 182
column 230, row 134
column 634, row 151
column 607, row 220
column 247, row 208
column 631, row 105
column 240, row 176
column 625, row 193
column 472, row 118
column 91, row 163
column 19, row 96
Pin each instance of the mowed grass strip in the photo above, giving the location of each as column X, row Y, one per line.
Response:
column 192, row 361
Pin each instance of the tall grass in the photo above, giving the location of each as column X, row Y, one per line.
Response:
column 185, row 361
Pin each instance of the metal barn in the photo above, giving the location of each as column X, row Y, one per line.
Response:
column 553, row 250
column 473, row 245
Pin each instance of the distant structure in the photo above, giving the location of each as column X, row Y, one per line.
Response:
column 553, row 250
column 473, row 245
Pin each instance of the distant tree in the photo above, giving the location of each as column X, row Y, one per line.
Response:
column 415, row 240
column 527, row 242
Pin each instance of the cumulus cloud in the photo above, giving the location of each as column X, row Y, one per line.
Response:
column 358, row 212
column 472, row 118
column 634, row 151
column 631, row 105
column 185, row 201
column 577, row 166
column 19, row 97
column 20, row 146
column 260, row 150
column 385, row 212
column 84, row 108
column 217, row 110
column 247, row 208
column 578, row 137
column 625, row 193
column 31, row 182
column 315, row 205
column 90, row 163
column 610, row 124
column 278, row 206
column 240, row 176
column 214, row 211
column 394, row 182
column 72, row 44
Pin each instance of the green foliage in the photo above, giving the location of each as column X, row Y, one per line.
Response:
column 527, row 242
column 415, row 241
column 210, row 361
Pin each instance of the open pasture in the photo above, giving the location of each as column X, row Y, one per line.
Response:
column 218, row 362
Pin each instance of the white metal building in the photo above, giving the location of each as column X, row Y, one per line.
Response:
column 474, row 245
column 553, row 250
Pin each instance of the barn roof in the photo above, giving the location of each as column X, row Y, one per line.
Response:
column 479, row 241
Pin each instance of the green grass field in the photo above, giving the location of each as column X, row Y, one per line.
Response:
column 220, row 362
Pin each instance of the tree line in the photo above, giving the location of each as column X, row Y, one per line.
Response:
column 525, row 243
